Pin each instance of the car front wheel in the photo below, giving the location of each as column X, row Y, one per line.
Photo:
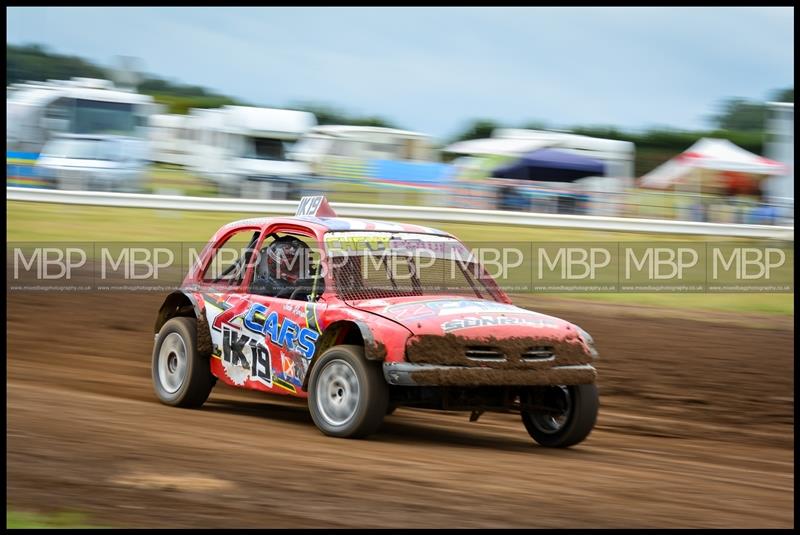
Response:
column 565, row 417
column 347, row 396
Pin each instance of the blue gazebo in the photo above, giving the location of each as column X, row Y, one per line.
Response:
column 551, row 165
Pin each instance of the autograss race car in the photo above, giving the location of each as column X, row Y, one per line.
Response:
column 361, row 317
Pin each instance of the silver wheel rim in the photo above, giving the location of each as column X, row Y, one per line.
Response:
column 551, row 423
column 337, row 393
column 172, row 359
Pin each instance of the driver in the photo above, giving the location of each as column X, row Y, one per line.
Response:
column 281, row 266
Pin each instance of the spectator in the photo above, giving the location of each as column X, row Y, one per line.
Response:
column 764, row 213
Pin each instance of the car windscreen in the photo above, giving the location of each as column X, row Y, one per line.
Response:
column 375, row 265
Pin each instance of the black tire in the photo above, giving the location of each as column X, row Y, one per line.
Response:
column 580, row 418
column 343, row 377
column 390, row 409
column 194, row 384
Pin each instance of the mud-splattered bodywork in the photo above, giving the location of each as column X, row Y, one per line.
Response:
column 469, row 342
column 270, row 344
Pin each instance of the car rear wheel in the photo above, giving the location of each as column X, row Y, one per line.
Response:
column 570, row 415
column 347, row 394
column 181, row 376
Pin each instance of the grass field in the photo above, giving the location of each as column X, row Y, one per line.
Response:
column 175, row 180
column 20, row 520
column 37, row 222
column 168, row 178
column 27, row 221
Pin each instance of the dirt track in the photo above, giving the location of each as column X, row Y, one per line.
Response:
column 695, row 430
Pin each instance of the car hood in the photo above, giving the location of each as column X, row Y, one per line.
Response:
column 468, row 318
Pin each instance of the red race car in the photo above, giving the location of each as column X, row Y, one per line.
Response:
column 361, row 317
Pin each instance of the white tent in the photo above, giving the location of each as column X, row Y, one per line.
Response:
column 713, row 154
column 498, row 147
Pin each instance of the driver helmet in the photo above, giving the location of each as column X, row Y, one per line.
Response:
column 283, row 260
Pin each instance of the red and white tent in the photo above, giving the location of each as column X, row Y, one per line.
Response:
column 712, row 154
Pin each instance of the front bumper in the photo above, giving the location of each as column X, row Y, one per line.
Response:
column 409, row 374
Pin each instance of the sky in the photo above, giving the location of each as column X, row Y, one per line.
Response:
column 434, row 69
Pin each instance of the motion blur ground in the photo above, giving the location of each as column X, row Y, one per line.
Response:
column 689, row 435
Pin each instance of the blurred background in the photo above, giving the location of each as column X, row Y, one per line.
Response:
column 105, row 121
column 672, row 114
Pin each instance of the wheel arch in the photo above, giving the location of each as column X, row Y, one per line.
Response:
column 183, row 304
column 350, row 332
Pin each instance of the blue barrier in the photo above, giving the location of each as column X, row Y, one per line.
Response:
column 417, row 173
column 27, row 171
column 30, row 156
column 21, row 170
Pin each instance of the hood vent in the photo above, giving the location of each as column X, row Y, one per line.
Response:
column 538, row 353
column 484, row 353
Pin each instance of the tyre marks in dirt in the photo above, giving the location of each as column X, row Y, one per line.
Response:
column 85, row 433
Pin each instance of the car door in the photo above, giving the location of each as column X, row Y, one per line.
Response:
column 239, row 355
column 288, row 325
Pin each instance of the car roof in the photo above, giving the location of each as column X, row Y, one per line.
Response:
column 338, row 224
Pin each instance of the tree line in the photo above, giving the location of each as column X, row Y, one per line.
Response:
column 35, row 62
column 739, row 120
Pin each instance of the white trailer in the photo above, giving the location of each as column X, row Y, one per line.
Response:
column 171, row 138
column 363, row 142
column 244, row 150
column 37, row 111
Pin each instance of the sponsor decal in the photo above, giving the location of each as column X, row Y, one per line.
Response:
column 425, row 309
column 312, row 322
column 484, row 321
column 293, row 368
column 397, row 242
column 412, row 311
column 232, row 308
column 236, row 348
column 244, row 328
column 287, row 333
column 357, row 242
column 283, row 384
